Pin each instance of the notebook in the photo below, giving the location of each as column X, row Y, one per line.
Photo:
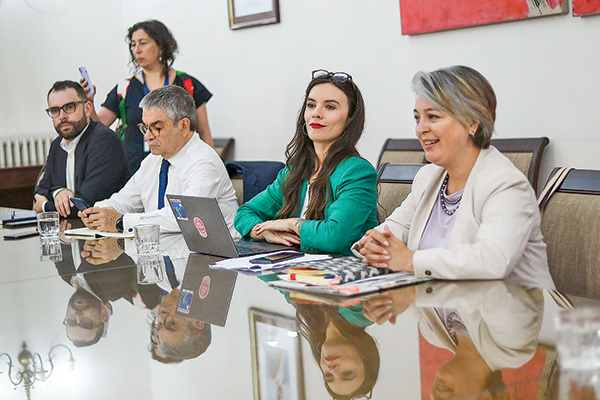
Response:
column 205, row 292
column 205, row 230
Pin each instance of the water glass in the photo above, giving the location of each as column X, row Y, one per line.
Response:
column 578, row 339
column 50, row 250
column 47, row 223
column 147, row 240
column 150, row 269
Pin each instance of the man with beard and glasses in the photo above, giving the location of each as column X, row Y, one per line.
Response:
column 87, row 160
column 86, row 318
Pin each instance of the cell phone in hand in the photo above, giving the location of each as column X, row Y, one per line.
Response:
column 86, row 76
column 80, row 203
column 277, row 257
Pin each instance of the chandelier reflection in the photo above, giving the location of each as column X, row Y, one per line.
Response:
column 32, row 367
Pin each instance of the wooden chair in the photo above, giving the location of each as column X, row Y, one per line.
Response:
column 394, row 183
column 525, row 153
column 571, row 229
column 401, row 151
column 224, row 148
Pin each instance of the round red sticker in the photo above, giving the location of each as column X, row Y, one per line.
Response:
column 200, row 226
column 204, row 287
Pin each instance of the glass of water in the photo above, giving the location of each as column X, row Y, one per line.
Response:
column 50, row 250
column 47, row 223
column 147, row 239
column 578, row 339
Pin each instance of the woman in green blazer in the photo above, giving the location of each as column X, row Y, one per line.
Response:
column 326, row 197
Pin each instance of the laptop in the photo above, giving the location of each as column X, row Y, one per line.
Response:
column 205, row 292
column 205, row 230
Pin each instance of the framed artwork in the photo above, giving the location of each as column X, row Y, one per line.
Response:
column 585, row 7
column 247, row 13
column 420, row 16
column 276, row 357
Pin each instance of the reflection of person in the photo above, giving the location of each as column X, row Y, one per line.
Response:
column 96, row 287
column 471, row 213
column 86, row 318
column 347, row 355
column 152, row 49
column 487, row 325
column 325, row 198
column 175, row 338
column 86, row 160
column 188, row 166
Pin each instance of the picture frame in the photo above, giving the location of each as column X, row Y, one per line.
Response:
column 277, row 366
column 248, row 13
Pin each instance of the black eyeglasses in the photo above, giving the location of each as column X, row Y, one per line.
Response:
column 335, row 76
column 68, row 108
column 154, row 130
column 84, row 323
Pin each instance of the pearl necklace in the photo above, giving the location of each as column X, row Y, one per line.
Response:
column 444, row 200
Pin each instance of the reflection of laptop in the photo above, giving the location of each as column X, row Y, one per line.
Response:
column 205, row 230
column 205, row 292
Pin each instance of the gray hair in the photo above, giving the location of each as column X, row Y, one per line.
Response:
column 194, row 343
column 462, row 93
column 175, row 101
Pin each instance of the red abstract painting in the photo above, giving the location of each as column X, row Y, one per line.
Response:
column 420, row 16
column 585, row 7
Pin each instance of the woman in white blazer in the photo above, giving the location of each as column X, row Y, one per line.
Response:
column 471, row 213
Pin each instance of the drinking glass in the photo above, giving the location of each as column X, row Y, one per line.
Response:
column 50, row 250
column 47, row 223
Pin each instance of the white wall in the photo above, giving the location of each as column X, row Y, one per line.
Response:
column 545, row 71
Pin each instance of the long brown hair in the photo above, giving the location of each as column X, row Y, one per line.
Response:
column 301, row 158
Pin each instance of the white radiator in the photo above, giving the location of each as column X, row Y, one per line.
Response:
column 24, row 150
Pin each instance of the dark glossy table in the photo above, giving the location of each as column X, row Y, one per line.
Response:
column 509, row 328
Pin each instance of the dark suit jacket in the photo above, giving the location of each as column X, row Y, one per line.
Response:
column 101, row 168
column 111, row 281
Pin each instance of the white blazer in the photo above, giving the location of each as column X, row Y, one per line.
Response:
column 496, row 233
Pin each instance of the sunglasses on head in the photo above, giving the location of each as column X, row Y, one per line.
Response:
column 334, row 76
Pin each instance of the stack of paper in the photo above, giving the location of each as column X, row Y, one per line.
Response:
column 243, row 263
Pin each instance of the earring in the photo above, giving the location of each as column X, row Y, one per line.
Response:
column 304, row 130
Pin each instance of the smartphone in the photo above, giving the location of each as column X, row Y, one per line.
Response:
column 80, row 203
column 277, row 257
column 20, row 224
column 86, row 76
column 22, row 235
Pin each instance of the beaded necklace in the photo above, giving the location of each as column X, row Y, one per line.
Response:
column 444, row 200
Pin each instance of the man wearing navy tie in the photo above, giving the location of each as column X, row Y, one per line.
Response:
column 180, row 163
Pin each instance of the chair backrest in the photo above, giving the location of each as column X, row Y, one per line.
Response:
column 224, row 148
column 402, row 151
column 571, row 229
column 394, row 183
column 249, row 178
column 525, row 153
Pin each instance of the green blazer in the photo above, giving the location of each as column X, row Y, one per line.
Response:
column 350, row 212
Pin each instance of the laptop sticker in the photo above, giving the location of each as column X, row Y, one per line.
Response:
column 178, row 209
column 204, row 287
column 185, row 301
column 200, row 226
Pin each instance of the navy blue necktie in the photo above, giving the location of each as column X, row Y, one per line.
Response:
column 162, row 183
column 171, row 272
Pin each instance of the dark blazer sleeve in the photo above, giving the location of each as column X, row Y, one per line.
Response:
column 55, row 174
column 101, row 168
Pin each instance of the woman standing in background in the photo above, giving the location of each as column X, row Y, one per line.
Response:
column 152, row 49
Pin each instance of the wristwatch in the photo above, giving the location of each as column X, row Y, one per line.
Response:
column 120, row 224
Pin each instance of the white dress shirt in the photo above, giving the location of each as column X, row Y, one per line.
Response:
column 196, row 170
column 69, row 148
